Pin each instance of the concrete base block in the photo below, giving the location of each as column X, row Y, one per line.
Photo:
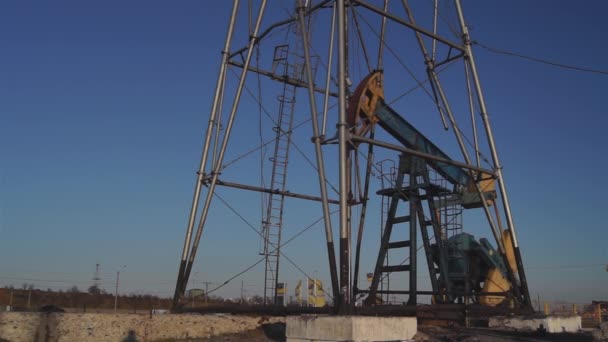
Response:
column 313, row 328
column 552, row 324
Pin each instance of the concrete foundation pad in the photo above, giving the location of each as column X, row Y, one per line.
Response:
column 313, row 328
column 552, row 324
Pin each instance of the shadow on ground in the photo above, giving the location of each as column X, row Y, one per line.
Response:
column 274, row 331
column 457, row 334
column 270, row 332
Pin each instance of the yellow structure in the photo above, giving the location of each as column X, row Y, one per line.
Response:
column 281, row 289
column 316, row 294
column 506, row 241
column 487, row 185
column 299, row 292
column 495, row 282
column 367, row 97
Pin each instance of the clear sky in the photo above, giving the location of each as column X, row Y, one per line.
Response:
column 103, row 107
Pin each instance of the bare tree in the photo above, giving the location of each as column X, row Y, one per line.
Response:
column 94, row 290
column 257, row 299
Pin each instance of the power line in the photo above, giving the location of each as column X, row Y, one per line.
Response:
column 46, row 280
column 71, row 281
column 247, row 223
column 397, row 58
column 293, row 143
column 559, row 267
column 539, row 60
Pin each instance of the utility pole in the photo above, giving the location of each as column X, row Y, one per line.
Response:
column 116, row 291
column 207, row 290
column 242, row 291
column 97, row 277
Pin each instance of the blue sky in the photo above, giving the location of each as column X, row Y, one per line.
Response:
column 103, row 107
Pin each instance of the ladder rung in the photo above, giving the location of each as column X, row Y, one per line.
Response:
column 401, row 219
column 399, row 244
column 395, row 268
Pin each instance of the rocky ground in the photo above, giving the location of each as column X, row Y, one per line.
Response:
column 221, row 328
column 59, row 327
column 425, row 334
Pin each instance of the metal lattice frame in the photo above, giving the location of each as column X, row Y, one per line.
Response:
column 211, row 163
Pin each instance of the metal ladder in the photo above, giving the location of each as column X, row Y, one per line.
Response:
column 452, row 219
column 414, row 191
column 449, row 209
column 273, row 220
column 387, row 176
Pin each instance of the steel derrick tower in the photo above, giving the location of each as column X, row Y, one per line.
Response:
column 355, row 118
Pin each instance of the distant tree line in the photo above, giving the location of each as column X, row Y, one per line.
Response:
column 29, row 298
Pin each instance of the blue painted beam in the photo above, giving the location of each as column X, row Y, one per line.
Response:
column 410, row 137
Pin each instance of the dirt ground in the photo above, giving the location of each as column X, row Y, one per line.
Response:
column 221, row 328
column 276, row 332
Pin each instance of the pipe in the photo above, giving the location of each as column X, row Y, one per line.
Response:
column 203, row 162
column 495, row 158
column 216, row 171
column 318, row 152
column 330, row 55
column 344, row 300
column 406, row 24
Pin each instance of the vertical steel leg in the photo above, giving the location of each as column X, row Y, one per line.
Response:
column 364, row 199
column 344, row 299
column 414, row 204
column 496, row 160
column 220, row 158
column 382, row 32
column 319, row 153
column 197, row 187
column 330, row 55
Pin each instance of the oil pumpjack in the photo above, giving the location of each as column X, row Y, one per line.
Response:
column 459, row 266
column 429, row 191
